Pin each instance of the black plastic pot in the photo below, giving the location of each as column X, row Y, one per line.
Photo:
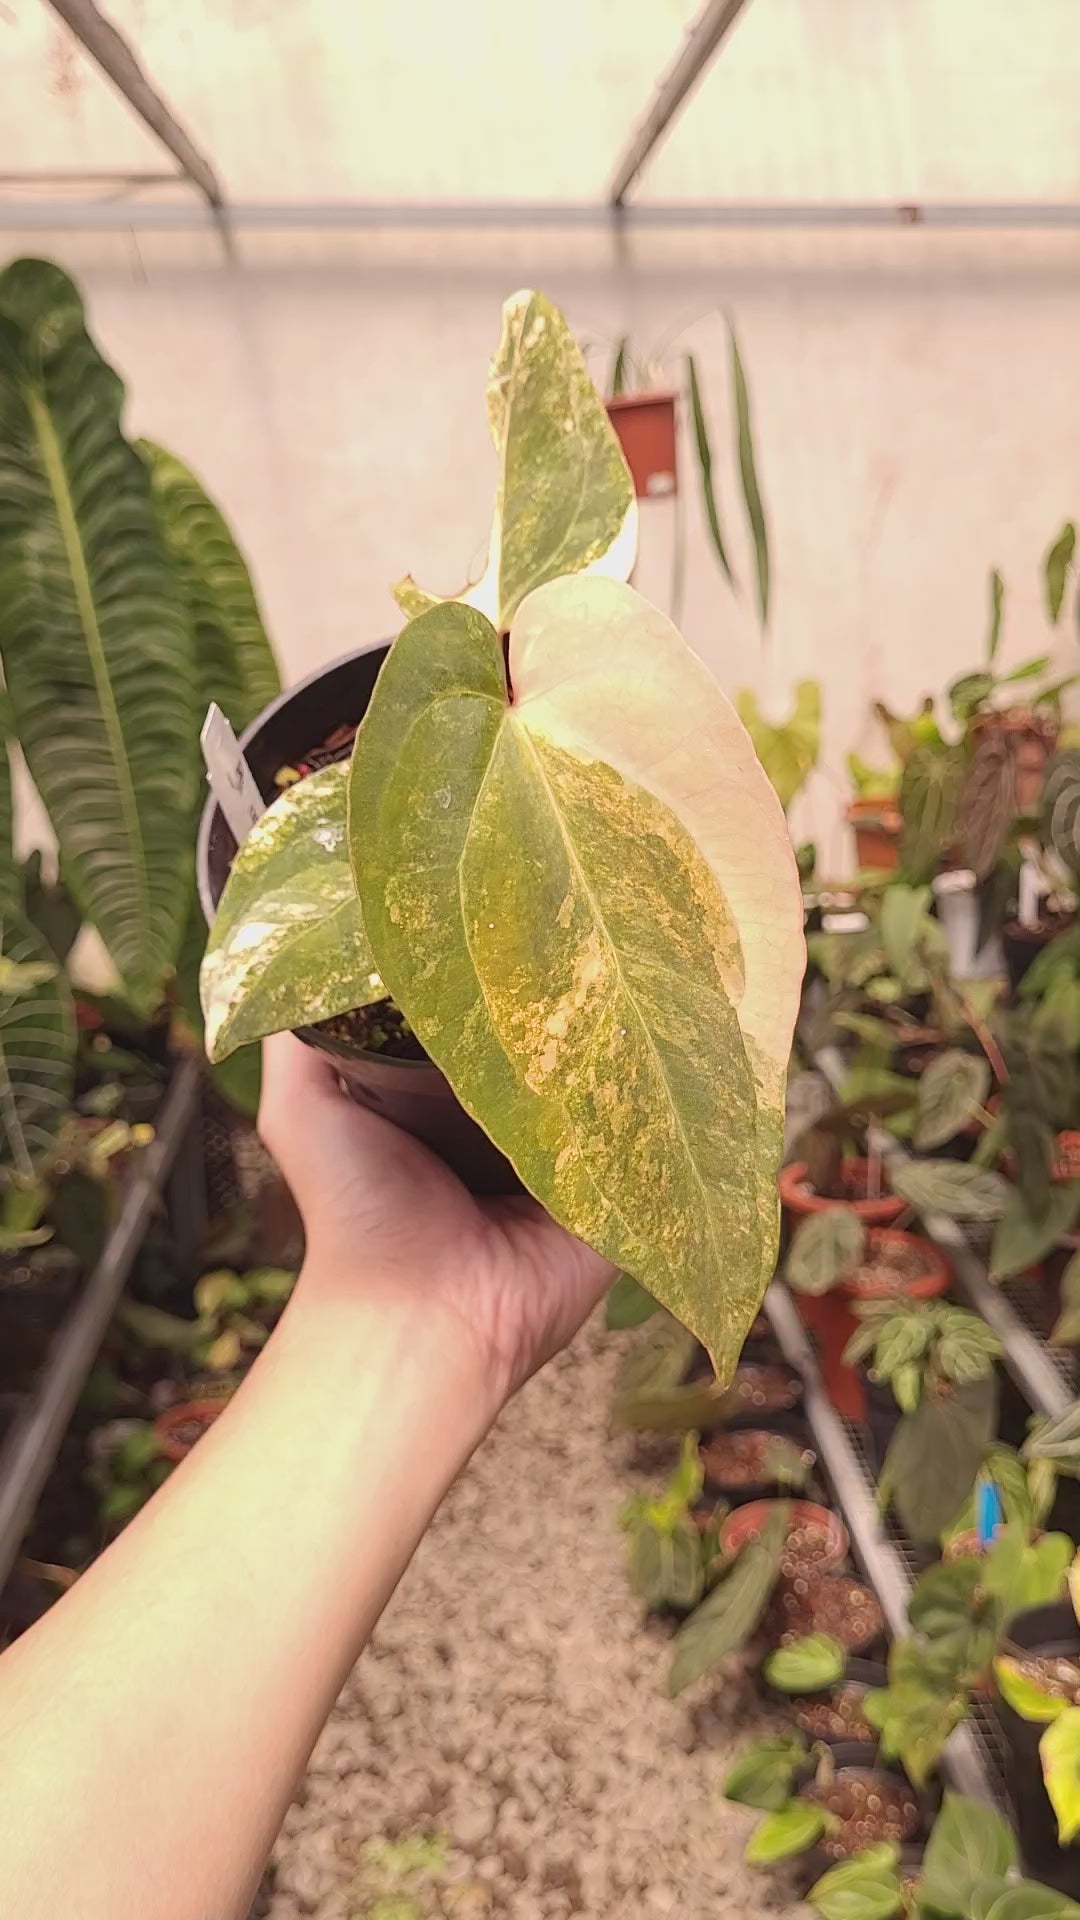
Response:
column 742, row 1493
column 411, row 1093
column 851, row 1757
column 1051, row 1631
column 1023, row 945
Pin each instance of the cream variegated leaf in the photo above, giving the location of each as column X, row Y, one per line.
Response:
column 287, row 946
column 564, row 501
column 585, row 901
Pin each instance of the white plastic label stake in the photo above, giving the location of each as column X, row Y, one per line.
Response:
column 230, row 777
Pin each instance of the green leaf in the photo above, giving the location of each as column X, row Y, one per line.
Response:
column 704, row 456
column 37, row 1050
column 825, row 1247
column 607, row 971
column 1056, row 565
column 1030, row 1901
column 1031, row 1702
column 1021, row 1239
column 969, row 1842
column 951, row 1187
column 96, row 645
column 929, row 795
column 763, row 1776
column 1030, row 670
column 967, row 694
column 790, row 1830
column 755, row 511
column 987, row 802
column 985, row 1892
column 997, row 600
column 1060, row 815
column 1067, row 1330
column 1057, row 1441
column 565, row 500
column 287, row 946
column 922, row 1704
column 903, row 911
column 943, row 1596
column 809, row 1665
column 1023, row 1574
column 728, row 1616
column 667, row 1565
column 866, row 1887
column 868, row 1027
column 627, row 1304
column 617, row 377
column 1059, row 1751
column 234, row 661
column 934, row 1456
column 788, row 752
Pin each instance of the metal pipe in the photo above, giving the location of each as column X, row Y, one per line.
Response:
column 118, row 63
column 434, row 216
column 697, row 50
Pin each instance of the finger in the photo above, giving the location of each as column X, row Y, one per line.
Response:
column 294, row 1077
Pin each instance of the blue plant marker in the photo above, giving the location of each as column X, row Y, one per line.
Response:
column 988, row 1514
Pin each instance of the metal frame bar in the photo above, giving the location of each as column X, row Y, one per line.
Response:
column 30, row 1446
column 436, row 216
column 701, row 42
column 118, row 63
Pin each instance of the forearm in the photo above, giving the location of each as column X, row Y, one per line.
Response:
column 184, row 1680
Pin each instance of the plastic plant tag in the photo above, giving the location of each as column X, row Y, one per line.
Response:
column 231, row 780
column 988, row 1515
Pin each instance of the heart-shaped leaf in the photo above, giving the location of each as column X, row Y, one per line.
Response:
column 788, row 751
column 1023, row 1238
column 808, row 1666
column 1030, row 1901
column 951, row 1187
column 763, row 1776
column 565, row 500
column 788, row 1831
column 37, row 1049
column 96, row 643
column 951, row 1090
column 934, row 1456
column 287, row 946
column 1025, row 1696
column 866, row 1887
column 1059, row 1751
column 582, row 895
column 826, row 1246
column 969, row 1842
column 728, row 1615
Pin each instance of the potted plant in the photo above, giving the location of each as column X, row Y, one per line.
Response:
column 967, row 1868
column 931, row 1400
column 824, row 1690
column 1038, row 1678
column 644, row 416
column 668, row 1555
column 745, row 1465
column 569, row 818
column 832, row 1800
column 874, row 815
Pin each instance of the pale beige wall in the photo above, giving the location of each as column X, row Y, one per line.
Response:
column 917, row 411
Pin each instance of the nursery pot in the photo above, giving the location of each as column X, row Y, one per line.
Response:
column 183, row 1426
column 798, row 1198
column 896, row 1811
column 822, row 1600
column 411, row 1093
column 644, row 426
column 957, row 903
column 735, row 1463
column 877, row 826
column 1051, row 1632
column 816, row 1538
column 769, row 1393
column 838, row 1320
column 817, row 1716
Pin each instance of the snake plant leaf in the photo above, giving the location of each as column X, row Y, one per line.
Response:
column 788, row 752
column 565, row 501
column 583, row 898
column 234, row 661
column 287, row 946
column 95, row 638
column 37, row 1049
column 755, row 511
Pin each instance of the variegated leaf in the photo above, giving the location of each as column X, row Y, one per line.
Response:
column 583, row 897
column 287, row 946
column 95, row 639
column 565, row 500
column 37, row 1049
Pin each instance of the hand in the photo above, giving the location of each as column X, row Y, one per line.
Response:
column 383, row 1215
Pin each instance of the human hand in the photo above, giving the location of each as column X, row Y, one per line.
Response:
column 384, row 1217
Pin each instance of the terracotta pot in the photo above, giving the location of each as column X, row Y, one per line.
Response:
column 1033, row 737
column 176, row 1445
column 747, row 1522
column 835, row 1320
column 877, row 826
column 644, row 424
column 798, row 1199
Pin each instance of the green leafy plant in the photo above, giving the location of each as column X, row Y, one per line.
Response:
column 557, row 902
column 729, row 1615
column 666, row 1554
column 809, row 1665
column 866, row 1887
column 126, row 1468
column 952, row 1092
column 952, row 1188
column 788, row 750
column 225, row 1328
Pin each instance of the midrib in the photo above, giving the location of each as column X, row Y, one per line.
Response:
column 53, row 461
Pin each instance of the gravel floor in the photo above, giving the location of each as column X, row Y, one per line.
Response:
column 505, row 1748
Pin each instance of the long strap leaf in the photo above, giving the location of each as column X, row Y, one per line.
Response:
column 96, row 645
column 37, row 1049
column 704, row 454
column 755, row 511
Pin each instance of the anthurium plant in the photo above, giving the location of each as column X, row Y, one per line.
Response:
column 564, row 863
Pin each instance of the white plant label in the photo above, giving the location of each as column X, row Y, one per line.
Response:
column 231, row 780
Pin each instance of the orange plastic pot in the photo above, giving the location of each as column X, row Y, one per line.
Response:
column 747, row 1522
column 644, row 425
column 175, row 1442
column 877, row 826
column 799, row 1199
column 836, row 1320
